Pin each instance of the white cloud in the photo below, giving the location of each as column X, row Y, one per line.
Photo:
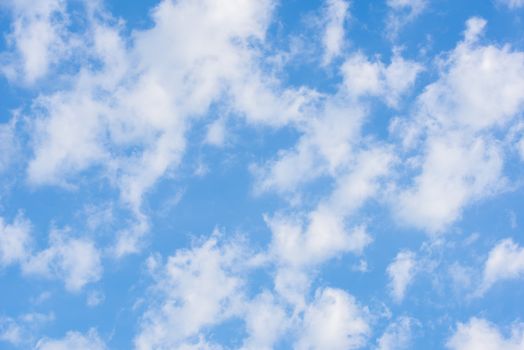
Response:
column 470, row 75
column 15, row 241
column 292, row 284
column 455, row 171
column 301, row 242
column 398, row 334
column 505, row 261
column 331, row 134
column 333, row 321
column 69, row 140
column 325, row 147
column 21, row 330
column 362, row 180
column 475, row 26
column 73, row 340
column 197, row 286
column 37, row 39
column 457, row 122
column 266, row 322
column 401, row 272
column 77, row 261
column 363, row 77
column 182, row 288
column 134, row 129
column 479, row 334
column 323, row 235
column 333, row 36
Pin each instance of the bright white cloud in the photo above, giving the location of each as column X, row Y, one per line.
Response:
column 401, row 272
column 334, row 321
column 197, row 286
column 505, row 261
column 127, row 117
column 332, row 132
column 324, row 238
column 73, row 340
column 15, row 241
column 76, row 261
column 479, row 334
column 455, row 171
column 300, row 242
column 362, row 181
column 333, row 37
column 480, row 88
column 363, row 77
column 323, row 235
column 134, row 129
column 470, row 75
column 292, row 284
column 37, row 38
column 325, row 147
column 266, row 322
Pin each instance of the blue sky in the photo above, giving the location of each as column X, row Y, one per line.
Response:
column 261, row 174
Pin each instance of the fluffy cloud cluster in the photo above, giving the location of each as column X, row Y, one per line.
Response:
column 334, row 33
column 196, row 286
column 505, row 261
column 37, row 39
column 76, row 261
column 479, row 334
column 334, row 321
column 121, row 114
column 22, row 331
column 14, row 241
column 363, row 77
column 401, row 272
column 206, row 285
column 457, row 118
column 128, row 113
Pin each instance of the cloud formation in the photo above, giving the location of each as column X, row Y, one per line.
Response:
column 324, row 170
